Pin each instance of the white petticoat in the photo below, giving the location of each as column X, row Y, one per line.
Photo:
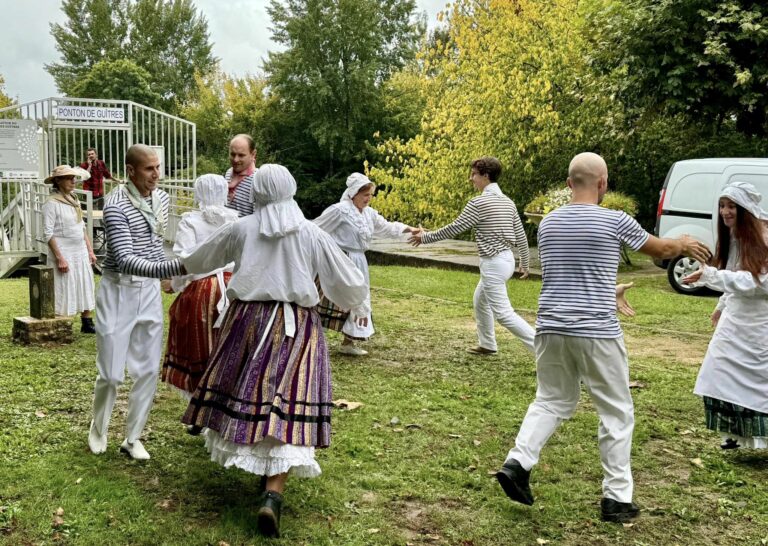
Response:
column 756, row 442
column 268, row 457
column 74, row 289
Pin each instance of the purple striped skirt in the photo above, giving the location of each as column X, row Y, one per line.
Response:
column 260, row 383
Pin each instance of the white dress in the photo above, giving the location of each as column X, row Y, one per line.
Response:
column 74, row 289
column 353, row 231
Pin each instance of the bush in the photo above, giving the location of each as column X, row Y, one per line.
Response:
column 544, row 203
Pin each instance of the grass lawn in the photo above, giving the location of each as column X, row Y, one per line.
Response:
column 413, row 465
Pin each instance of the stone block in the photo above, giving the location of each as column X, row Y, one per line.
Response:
column 33, row 331
column 41, row 292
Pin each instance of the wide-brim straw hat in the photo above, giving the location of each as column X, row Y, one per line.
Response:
column 66, row 170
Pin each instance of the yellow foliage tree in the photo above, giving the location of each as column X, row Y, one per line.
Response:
column 511, row 80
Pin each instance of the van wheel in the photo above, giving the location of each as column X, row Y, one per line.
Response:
column 679, row 268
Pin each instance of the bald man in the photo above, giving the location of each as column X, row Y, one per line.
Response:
column 242, row 157
column 578, row 337
column 129, row 308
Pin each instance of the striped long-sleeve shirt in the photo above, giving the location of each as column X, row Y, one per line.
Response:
column 242, row 201
column 497, row 225
column 132, row 247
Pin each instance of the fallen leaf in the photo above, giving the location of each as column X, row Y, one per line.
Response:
column 636, row 385
column 698, row 462
column 432, row 538
column 346, row 404
column 58, row 521
column 628, row 525
column 686, row 432
column 541, row 541
column 165, row 504
column 454, row 436
column 376, row 425
column 59, row 511
column 222, row 543
column 397, row 430
column 40, row 414
column 476, row 442
column 471, row 468
column 78, row 480
column 394, row 421
column 372, row 531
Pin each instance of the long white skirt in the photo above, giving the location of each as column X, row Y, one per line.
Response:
column 268, row 457
column 351, row 327
column 74, row 289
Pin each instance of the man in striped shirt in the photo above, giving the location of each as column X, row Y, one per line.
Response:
column 578, row 336
column 498, row 228
column 129, row 308
column 242, row 157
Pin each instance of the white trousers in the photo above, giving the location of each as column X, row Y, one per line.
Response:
column 129, row 332
column 492, row 302
column 562, row 362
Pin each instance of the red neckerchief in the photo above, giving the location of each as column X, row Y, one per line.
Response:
column 235, row 179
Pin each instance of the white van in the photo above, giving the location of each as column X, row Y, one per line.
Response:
column 688, row 204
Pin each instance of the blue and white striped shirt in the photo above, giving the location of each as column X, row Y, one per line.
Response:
column 132, row 247
column 580, row 248
column 242, row 202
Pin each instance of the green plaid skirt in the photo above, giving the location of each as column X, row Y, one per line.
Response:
column 733, row 419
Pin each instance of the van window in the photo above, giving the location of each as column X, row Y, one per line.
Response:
column 760, row 181
column 693, row 192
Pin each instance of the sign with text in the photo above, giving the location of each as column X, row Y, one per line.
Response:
column 19, row 152
column 90, row 113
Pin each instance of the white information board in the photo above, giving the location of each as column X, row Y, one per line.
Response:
column 90, row 113
column 19, row 153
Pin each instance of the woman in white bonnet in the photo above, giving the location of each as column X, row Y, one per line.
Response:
column 734, row 374
column 352, row 224
column 265, row 396
column 196, row 312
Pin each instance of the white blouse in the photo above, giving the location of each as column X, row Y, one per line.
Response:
column 193, row 231
column 282, row 268
column 353, row 230
column 60, row 220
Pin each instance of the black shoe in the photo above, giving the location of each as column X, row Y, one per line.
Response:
column 513, row 479
column 87, row 326
column 618, row 512
column 268, row 516
column 730, row 443
column 194, row 430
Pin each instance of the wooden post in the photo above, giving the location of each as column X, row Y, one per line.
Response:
column 41, row 292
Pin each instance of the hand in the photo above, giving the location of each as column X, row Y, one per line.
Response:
column 415, row 238
column 165, row 284
column 621, row 299
column 92, row 258
column 362, row 322
column 62, row 265
column 694, row 249
column 715, row 318
column 693, row 277
column 523, row 272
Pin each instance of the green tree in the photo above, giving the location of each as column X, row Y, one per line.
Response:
column 5, row 100
column 120, row 79
column 166, row 38
column 95, row 30
column 328, row 80
column 701, row 58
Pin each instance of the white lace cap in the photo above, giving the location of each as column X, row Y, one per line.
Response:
column 746, row 195
column 272, row 193
column 211, row 196
column 355, row 182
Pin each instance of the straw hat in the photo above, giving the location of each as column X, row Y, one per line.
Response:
column 66, row 170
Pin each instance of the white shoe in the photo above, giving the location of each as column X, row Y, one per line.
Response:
column 97, row 443
column 352, row 350
column 135, row 450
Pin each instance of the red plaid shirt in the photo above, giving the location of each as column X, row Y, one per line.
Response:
column 99, row 172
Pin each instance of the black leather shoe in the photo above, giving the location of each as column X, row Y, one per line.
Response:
column 87, row 326
column 513, row 479
column 268, row 516
column 618, row 512
column 730, row 443
column 194, row 430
